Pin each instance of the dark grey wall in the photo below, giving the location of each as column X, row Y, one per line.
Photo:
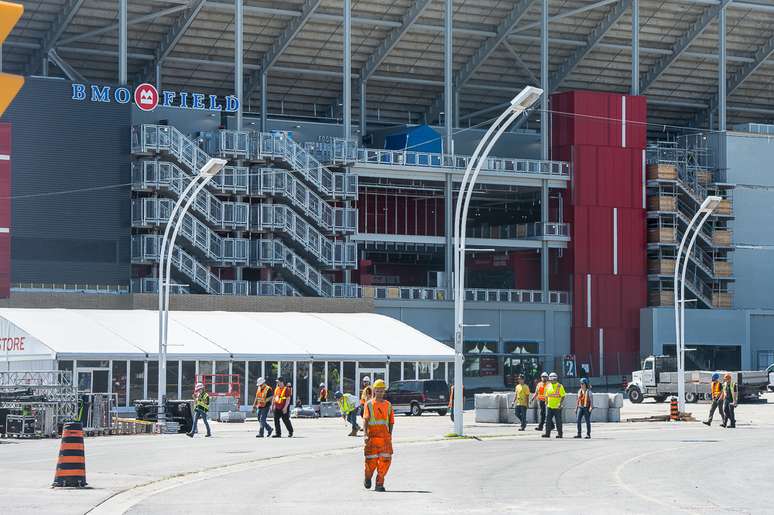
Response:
column 61, row 145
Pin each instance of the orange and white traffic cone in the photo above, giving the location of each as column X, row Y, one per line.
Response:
column 71, row 467
column 674, row 413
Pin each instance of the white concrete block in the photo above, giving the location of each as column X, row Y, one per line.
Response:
column 601, row 400
column 614, row 415
column 488, row 415
column 599, row 415
column 532, row 416
column 615, row 400
column 488, row 400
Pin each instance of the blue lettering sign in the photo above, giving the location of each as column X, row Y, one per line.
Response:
column 198, row 101
column 79, row 92
column 167, row 98
column 122, row 95
column 232, row 104
column 100, row 94
column 183, row 99
column 214, row 105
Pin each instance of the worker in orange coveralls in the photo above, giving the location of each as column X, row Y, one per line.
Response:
column 379, row 419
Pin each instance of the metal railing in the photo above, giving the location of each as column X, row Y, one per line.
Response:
column 471, row 294
column 337, row 151
column 151, row 285
column 558, row 169
column 227, row 143
column 548, row 230
column 273, row 289
column 101, row 289
column 145, row 249
column 165, row 138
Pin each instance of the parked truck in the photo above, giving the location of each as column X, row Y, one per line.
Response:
column 658, row 380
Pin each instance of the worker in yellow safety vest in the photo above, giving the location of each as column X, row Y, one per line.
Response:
column 540, row 394
column 201, row 407
column 378, row 419
column 730, row 398
column 262, row 405
column 348, row 406
column 717, row 390
column 554, row 399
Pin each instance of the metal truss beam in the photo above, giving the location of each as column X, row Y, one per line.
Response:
column 681, row 45
column 63, row 65
column 738, row 78
column 483, row 53
column 172, row 37
column 596, row 36
column 280, row 44
column 113, row 27
column 516, row 57
column 56, row 30
column 393, row 38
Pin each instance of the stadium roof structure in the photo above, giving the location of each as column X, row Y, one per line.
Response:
column 133, row 334
column 398, row 46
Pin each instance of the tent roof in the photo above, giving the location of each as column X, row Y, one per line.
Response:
column 131, row 334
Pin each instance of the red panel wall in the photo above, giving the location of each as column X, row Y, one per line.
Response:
column 604, row 136
column 5, row 210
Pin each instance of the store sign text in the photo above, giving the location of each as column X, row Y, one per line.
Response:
column 147, row 98
column 12, row 344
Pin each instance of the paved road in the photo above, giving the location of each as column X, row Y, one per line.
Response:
column 633, row 468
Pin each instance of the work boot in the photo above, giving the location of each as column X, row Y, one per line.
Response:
column 588, row 436
column 577, row 436
column 723, row 424
column 190, row 435
column 539, row 428
column 353, row 432
column 379, row 488
column 545, row 436
column 367, row 483
column 706, row 422
column 268, row 432
column 259, row 435
column 558, row 436
column 208, row 435
column 277, row 436
column 290, row 435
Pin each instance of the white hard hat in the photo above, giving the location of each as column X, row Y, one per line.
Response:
column 322, row 385
column 544, row 374
column 367, row 379
column 260, row 381
column 553, row 376
column 199, row 386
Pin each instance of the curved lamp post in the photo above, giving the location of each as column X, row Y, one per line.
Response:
column 705, row 210
column 525, row 99
column 210, row 169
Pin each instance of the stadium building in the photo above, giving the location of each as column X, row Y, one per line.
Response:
column 347, row 127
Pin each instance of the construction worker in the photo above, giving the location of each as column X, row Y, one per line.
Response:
column 540, row 393
column 262, row 405
column 730, row 398
column 281, row 405
column 323, row 395
column 201, row 407
column 451, row 400
column 717, row 390
column 366, row 393
column 554, row 399
column 378, row 420
column 348, row 406
column 584, row 406
column 521, row 402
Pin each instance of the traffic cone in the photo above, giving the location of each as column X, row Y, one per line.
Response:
column 674, row 413
column 71, row 467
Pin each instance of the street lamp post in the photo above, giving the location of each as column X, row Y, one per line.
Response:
column 526, row 98
column 210, row 169
column 705, row 210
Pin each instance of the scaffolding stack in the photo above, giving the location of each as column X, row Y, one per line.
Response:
column 681, row 173
column 48, row 396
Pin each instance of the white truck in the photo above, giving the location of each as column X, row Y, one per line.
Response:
column 658, row 379
column 770, row 371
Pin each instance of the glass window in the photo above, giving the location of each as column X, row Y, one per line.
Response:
column 424, row 370
column 409, row 370
column 301, row 383
column 189, row 379
column 172, row 369
column 272, row 373
column 238, row 376
column 438, row 372
column 394, row 371
column 477, row 364
column 286, row 372
column 372, row 364
column 136, row 381
column 318, row 376
column 253, row 373
column 119, row 382
column 221, row 382
column 93, row 364
column 68, row 366
column 205, row 368
column 334, row 376
column 765, row 358
column 521, row 348
column 349, row 377
column 153, row 379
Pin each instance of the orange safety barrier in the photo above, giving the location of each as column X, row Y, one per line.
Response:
column 71, row 466
column 674, row 412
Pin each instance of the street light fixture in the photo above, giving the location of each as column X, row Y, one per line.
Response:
column 705, row 210
column 206, row 173
column 520, row 103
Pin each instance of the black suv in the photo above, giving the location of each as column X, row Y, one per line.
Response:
column 415, row 397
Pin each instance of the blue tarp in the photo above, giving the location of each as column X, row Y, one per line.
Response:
column 421, row 138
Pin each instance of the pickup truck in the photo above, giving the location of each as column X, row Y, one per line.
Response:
column 658, row 379
column 770, row 372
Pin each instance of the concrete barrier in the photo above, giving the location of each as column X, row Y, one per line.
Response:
column 601, row 401
column 496, row 408
column 488, row 415
column 615, row 400
column 614, row 415
column 488, row 400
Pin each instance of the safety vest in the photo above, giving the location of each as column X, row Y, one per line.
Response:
column 554, row 394
column 730, row 390
column 345, row 405
column 261, row 394
column 541, row 391
column 203, row 401
column 366, row 395
column 280, row 396
column 379, row 416
column 583, row 398
column 717, row 387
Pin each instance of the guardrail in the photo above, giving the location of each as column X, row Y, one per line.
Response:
column 100, row 289
column 471, row 294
